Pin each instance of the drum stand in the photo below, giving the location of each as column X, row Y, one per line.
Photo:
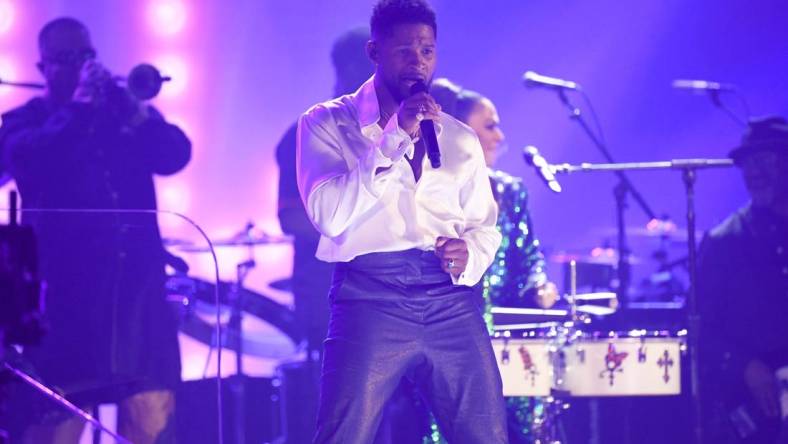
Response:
column 688, row 168
column 547, row 429
column 620, row 192
column 235, row 324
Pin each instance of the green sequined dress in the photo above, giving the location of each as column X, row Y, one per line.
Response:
column 517, row 270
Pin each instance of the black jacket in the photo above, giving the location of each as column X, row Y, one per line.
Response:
column 109, row 322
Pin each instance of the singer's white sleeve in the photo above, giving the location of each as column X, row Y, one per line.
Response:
column 481, row 216
column 334, row 193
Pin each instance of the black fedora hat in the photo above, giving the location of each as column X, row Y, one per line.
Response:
column 763, row 134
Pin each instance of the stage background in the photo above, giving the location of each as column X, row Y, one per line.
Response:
column 245, row 69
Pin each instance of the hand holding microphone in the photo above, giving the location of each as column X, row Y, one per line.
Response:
column 428, row 112
column 418, row 107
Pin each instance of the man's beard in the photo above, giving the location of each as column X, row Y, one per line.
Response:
column 399, row 91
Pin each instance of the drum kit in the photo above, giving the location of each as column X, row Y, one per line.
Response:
column 636, row 363
column 268, row 328
column 556, row 355
column 551, row 354
column 658, row 264
column 252, row 322
column 229, row 316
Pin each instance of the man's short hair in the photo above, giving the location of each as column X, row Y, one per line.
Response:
column 62, row 22
column 389, row 13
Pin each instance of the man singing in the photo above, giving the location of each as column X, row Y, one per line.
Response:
column 409, row 240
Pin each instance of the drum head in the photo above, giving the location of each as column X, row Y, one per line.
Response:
column 268, row 329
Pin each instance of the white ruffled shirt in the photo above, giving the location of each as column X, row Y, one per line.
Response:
column 341, row 146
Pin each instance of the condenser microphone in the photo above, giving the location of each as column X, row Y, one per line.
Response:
column 543, row 169
column 702, row 85
column 533, row 80
column 428, row 130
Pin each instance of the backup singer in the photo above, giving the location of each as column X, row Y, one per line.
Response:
column 517, row 276
column 408, row 240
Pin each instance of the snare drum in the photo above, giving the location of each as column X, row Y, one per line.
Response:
column 524, row 365
column 620, row 365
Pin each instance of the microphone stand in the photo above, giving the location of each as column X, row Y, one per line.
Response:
column 235, row 298
column 716, row 100
column 688, row 168
column 620, row 192
column 63, row 402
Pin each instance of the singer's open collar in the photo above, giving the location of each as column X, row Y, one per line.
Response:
column 366, row 101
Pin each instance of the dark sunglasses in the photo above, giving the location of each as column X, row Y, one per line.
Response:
column 72, row 58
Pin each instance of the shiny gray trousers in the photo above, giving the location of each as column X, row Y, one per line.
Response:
column 395, row 315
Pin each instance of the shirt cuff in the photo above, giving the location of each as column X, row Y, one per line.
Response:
column 468, row 277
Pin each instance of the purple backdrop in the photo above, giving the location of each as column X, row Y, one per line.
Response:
column 245, row 69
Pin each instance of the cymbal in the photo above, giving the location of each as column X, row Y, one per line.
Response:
column 285, row 284
column 175, row 242
column 678, row 235
column 596, row 255
column 653, row 229
column 242, row 240
column 269, row 329
column 517, row 318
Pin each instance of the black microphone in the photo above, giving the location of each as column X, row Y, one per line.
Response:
column 532, row 157
column 428, row 130
column 532, row 79
column 702, row 85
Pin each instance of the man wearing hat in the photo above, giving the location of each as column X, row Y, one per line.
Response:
column 743, row 297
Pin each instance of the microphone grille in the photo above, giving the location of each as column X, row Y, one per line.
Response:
column 529, row 152
column 528, row 78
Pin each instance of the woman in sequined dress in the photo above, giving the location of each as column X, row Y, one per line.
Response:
column 517, row 276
